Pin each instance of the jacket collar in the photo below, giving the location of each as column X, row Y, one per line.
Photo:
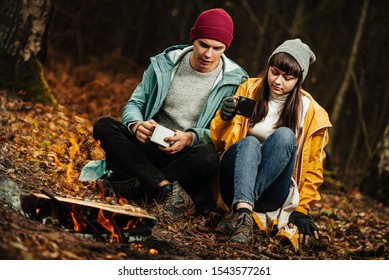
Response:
column 172, row 56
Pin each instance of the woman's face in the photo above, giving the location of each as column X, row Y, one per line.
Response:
column 279, row 81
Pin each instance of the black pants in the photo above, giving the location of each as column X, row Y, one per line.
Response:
column 127, row 157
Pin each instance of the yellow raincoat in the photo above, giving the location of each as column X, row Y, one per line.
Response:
column 312, row 137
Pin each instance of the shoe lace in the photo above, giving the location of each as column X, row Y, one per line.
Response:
column 243, row 224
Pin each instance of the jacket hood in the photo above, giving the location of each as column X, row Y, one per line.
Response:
column 232, row 72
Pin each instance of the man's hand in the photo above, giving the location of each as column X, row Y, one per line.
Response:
column 143, row 130
column 228, row 109
column 180, row 140
column 305, row 226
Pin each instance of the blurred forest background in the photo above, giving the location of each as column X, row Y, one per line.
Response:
column 349, row 79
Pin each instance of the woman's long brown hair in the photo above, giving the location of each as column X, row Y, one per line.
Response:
column 290, row 112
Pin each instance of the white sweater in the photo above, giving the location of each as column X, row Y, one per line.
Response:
column 263, row 129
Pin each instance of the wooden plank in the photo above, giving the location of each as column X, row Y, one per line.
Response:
column 129, row 210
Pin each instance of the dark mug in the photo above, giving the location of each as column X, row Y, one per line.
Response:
column 245, row 106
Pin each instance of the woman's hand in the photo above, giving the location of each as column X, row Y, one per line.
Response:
column 228, row 109
column 305, row 226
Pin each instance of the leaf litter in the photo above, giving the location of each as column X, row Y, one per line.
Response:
column 45, row 148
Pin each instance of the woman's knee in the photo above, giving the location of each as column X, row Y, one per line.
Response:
column 285, row 135
column 250, row 142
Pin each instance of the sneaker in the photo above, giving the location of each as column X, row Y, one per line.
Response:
column 175, row 200
column 130, row 188
column 242, row 236
column 224, row 227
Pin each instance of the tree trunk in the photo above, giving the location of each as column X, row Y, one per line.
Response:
column 340, row 97
column 23, row 29
column 375, row 179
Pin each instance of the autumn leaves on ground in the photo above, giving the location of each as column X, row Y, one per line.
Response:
column 45, row 148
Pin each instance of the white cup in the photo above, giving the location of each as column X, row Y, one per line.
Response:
column 160, row 133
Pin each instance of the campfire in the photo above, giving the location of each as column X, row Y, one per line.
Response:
column 109, row 223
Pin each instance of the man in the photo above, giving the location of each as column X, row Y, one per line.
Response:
column 181, row 90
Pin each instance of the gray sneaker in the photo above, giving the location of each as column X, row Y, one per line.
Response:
column 130, row 189
column 175, row 200
column 242, row 236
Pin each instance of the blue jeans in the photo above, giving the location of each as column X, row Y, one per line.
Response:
column 259, row 174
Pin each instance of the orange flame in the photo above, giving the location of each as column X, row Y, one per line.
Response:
column 74, row 149
column 132, row 223
column 57, row 161
column 123, row 201
column 76, row 226
column 129, row 224
column 153, row 251
column 106, row 223
column 69, row 172
column 139, row 247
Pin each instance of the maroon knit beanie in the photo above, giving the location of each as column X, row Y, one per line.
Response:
column 213, row 24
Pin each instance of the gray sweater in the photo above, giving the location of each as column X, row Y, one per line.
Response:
column 188, row 93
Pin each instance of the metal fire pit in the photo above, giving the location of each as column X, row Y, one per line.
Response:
column 126, row 223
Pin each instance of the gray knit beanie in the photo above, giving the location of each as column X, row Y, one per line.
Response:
column 300, row 51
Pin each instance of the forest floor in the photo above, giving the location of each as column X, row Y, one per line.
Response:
column 44, row 148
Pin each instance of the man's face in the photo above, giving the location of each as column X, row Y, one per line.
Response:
column 206, row 54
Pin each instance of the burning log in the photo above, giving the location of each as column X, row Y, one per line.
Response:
column 124, row 223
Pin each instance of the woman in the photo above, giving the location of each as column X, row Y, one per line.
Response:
column 272, row 163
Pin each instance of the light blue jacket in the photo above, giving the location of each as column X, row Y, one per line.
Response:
column 149, row 95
